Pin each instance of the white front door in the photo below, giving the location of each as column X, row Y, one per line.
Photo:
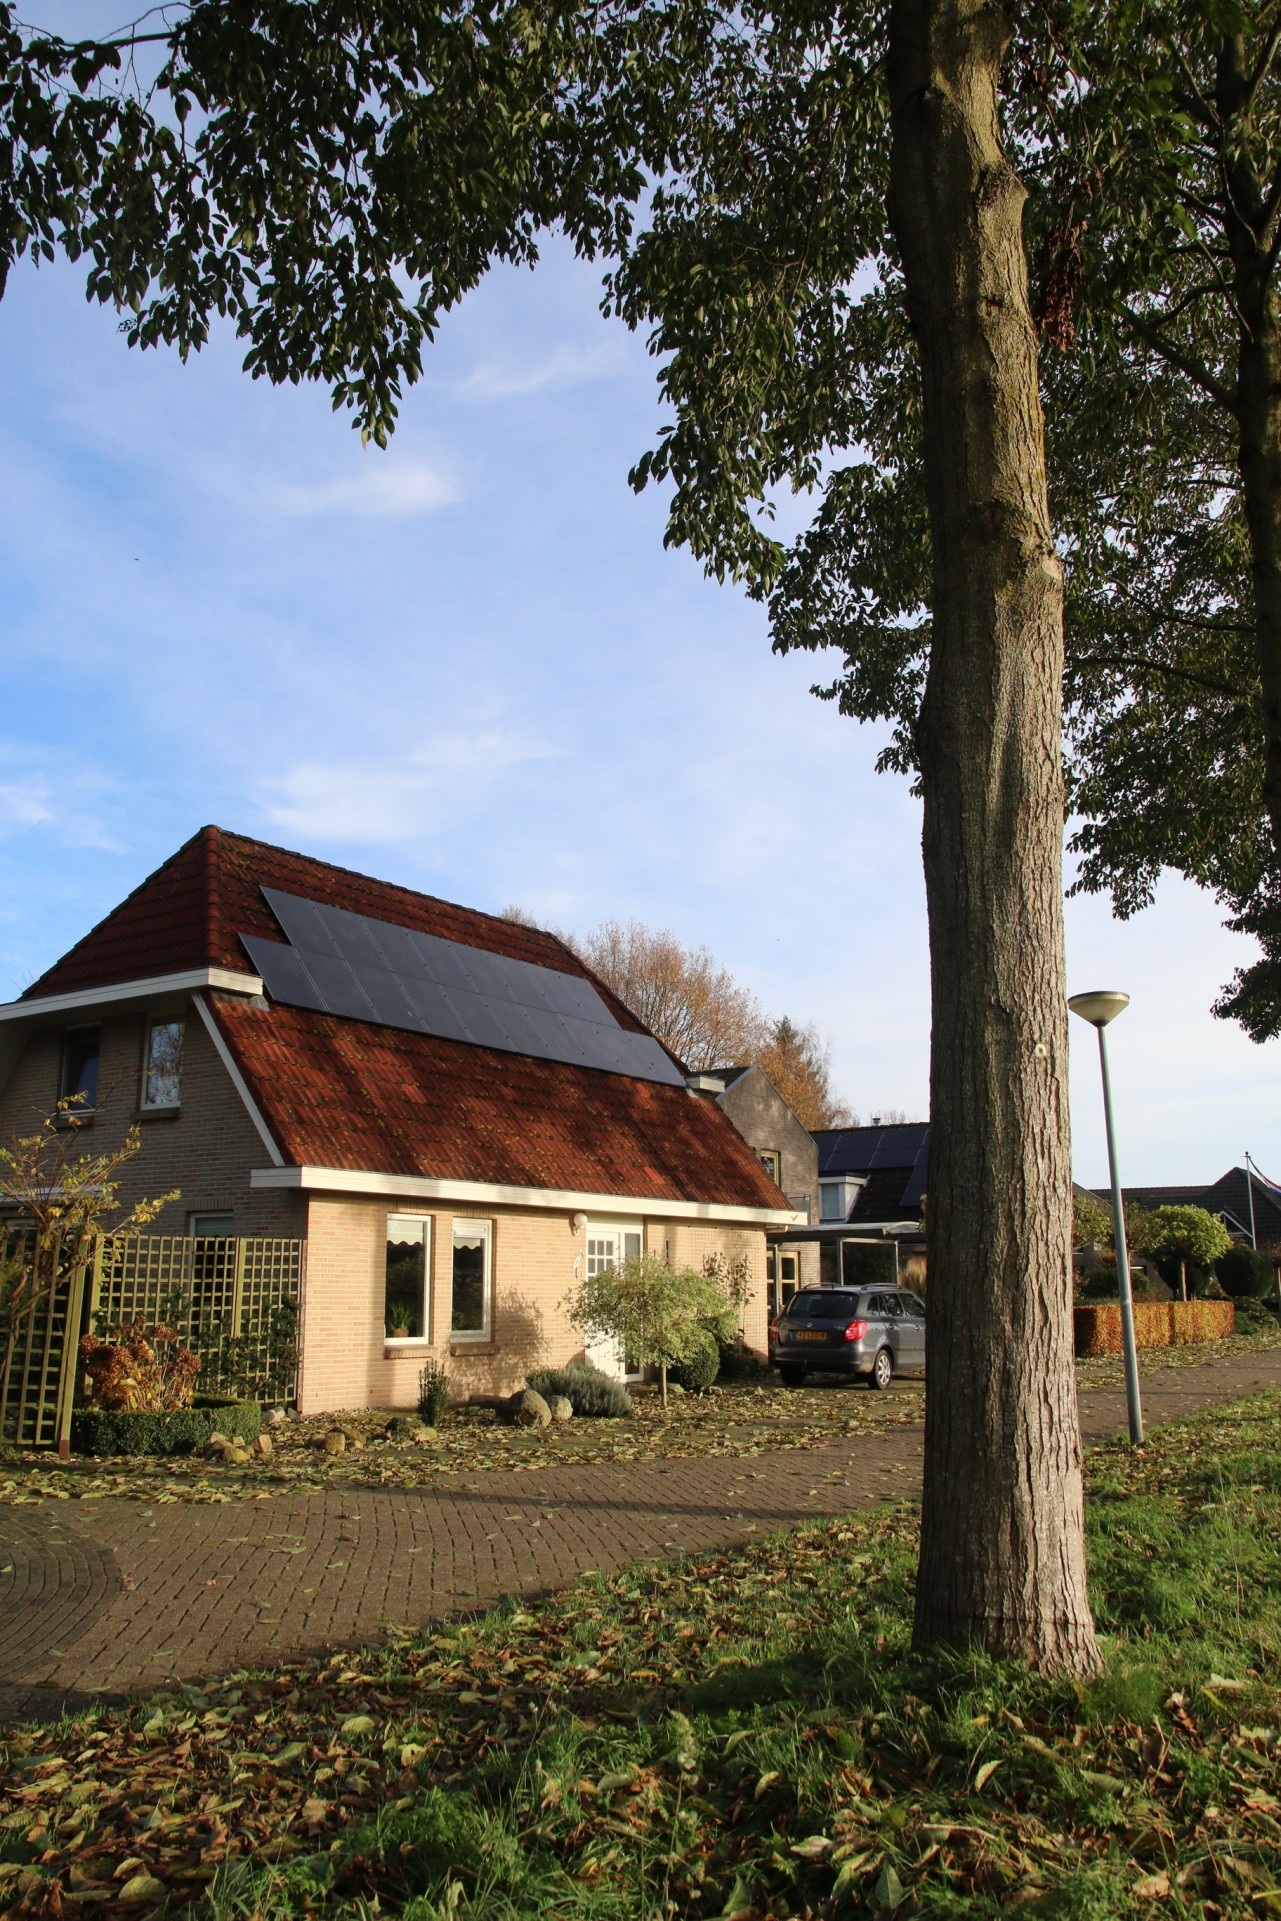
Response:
column 606, row 1247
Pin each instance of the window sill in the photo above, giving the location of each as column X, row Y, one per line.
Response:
column 397, row 1343
column 158, row 1114
column 482, row 1344
column 74, row 1117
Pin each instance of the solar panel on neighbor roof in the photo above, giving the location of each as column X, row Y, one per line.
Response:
column 338, row 962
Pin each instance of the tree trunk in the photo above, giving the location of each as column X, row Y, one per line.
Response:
column 1249, row 236
column 1002, row 1556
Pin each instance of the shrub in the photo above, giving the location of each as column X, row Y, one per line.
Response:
column 146, row 1369
column 433, row 1392
column 588, row 1391
column 738, row 1363
column 699, row 1365
column 1245, row 1274
column 1103, row 1284
column 101, row 1430
column 1097, row 1329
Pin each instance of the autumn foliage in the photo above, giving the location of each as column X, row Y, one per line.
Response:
column 140, row 1368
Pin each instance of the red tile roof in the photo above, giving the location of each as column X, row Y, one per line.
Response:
column 348, row 1094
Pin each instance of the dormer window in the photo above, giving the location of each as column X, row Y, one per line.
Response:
column 80, row 1068
column 162, row 1076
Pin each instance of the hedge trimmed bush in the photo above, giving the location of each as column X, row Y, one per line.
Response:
column 1244, row 1274
column 98, row 1430
column 699, row 1368
column 1097, row 1330
column 589, row 1392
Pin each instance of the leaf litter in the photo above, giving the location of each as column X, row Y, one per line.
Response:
column 740, row 1734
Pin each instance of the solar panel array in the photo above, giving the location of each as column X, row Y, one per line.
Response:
column 342, row 963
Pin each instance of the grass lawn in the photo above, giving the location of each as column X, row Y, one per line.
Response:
column 742, row 1735
column 732, row 1420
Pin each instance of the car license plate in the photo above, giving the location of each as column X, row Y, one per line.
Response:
column 809, row 1334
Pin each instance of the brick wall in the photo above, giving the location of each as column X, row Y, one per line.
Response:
column 206, row 1149
column 347, row 1360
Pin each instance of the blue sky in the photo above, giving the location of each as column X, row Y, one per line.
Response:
column 469, row 665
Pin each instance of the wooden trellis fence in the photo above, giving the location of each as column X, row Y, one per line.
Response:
column 234, row 1301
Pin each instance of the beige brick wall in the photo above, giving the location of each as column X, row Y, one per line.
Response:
column 206, row 1150
column 347, row 1360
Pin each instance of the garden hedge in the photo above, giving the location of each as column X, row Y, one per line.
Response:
column 1097, row 1329
column 97, row 1430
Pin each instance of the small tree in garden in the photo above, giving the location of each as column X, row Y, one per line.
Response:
column 1091, row 1220
column 63, row 1197
column 656, row 1313
column 1183, row 1236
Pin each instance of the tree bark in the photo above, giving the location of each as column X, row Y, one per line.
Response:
column 1002, row 1556
column 1258, row 412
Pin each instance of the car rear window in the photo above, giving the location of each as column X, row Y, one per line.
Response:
column 827, row 1305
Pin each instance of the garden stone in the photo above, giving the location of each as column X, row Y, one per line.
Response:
column 401, row 1427
column 275, row 1415
column 528, row 1409
column 354, row 1437
column 335, row 1442
column 562, row 1408
column 262, row 1446
column 423, row 1435
column 674, row 1387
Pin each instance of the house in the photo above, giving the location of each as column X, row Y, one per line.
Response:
column 1233, row 1198
column 449, row 1109
column 873, row 1178
column 788, row 1153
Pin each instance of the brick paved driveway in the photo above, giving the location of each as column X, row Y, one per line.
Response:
column 120, row 1596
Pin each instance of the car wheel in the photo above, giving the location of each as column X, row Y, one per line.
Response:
column 882, row 1370
column 790, row 1374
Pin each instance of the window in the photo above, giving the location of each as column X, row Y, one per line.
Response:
column 831, row 1196
column 783, row 1274
column 213, row 1227
column 213, row 1258
column 469, row 1314
column 407, row 1288
column 162, row 1075
column 772, row 1161
column 80, row 1067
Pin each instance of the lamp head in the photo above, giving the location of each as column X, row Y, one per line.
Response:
column 1099, row 1007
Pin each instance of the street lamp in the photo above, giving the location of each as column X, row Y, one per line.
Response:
column 1099, row 1008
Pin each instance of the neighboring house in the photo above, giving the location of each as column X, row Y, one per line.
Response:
column 456, row 1116
column 1229, row 1198
column 873, row 1177
column 788, row 1154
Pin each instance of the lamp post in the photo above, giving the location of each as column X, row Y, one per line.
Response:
column 1098, row 1009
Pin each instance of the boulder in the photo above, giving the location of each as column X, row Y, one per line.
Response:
column 423, row 1435
column 275, row 1416
column 401, row 1427
column 528, row 1409
column 335, row 1442
column 354, row 1437
column 562, row 1409
column 674, row 1387
column 261, row 1446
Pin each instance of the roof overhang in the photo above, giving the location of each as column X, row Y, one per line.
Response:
column 86, row 999
column 854, row 1231
column 417, row 1187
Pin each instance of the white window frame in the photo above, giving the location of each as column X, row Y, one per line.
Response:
column 471, row 1227
column 411, row 1340
column 161, row 1107
column 211, row 1214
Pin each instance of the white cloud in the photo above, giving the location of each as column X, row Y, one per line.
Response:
column 566, row 366
column 383, row 488
column 22, row 807
column 386, row 800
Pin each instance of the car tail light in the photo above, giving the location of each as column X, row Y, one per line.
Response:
column 773, row 1330
column 856, row 1330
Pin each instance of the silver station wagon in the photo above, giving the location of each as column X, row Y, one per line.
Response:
column 876, row 1332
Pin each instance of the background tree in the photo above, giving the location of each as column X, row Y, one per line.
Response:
column 1182, row 1237
column 799, row 1062
column 1092, row 1222
column 657, row 1314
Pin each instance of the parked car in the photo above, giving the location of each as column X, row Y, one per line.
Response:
column 875, row 1332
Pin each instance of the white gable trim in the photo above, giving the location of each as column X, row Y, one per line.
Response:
column 417, row 1187
column 151, row 988
column 237, row 1080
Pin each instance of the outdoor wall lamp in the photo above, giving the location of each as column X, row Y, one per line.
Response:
column 578, row 1223
column 1098, row 1009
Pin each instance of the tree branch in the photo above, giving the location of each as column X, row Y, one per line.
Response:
column 1195, row 370
column 1135, row 664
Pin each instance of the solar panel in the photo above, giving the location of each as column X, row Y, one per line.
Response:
column 342, row 963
